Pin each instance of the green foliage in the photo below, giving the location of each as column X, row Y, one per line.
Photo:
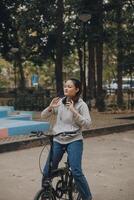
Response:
column 126, row 38
column 6, row 74
column 31, row 26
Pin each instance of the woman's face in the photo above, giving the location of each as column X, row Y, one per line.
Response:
column 69, row 89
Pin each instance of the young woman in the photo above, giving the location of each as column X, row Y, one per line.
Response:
column 72, row 117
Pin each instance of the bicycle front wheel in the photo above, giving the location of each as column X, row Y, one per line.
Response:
column 73, row 191
column 43, row 195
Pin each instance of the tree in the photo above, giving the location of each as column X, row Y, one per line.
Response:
column 10, row 35
column 59, row 46
column 99, row 56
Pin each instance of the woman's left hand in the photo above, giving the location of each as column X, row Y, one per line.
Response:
column 70, row 105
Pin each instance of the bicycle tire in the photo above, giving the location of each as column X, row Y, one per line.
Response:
column 41, row 195
column 43, row 156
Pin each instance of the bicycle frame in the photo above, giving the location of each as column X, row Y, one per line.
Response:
column 57, row 172
column 65, row 186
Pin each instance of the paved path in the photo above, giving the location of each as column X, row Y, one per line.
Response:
column 108, row 163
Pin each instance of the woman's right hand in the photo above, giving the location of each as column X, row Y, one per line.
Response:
column 54, row 103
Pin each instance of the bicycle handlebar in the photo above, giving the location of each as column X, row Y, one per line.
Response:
column 37, row 134
column 41, row 133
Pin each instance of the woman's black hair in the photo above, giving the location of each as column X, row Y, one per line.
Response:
column 77, row 84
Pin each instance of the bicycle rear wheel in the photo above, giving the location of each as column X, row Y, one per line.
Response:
column 44, row 195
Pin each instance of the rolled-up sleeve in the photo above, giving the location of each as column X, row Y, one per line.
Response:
column 83, row 118
column 46, row 113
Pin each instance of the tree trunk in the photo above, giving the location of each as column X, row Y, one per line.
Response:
column 22, row 83
column 19, row 70
column 99, row 59
column 84, row 64
column 80, row 63
column 91, row 71
column 99, row 65
column 119, row 55
column 59, row 48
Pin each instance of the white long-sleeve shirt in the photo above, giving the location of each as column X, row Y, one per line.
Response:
column 68, row 121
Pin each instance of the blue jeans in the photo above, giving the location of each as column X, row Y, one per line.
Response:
column 74, row 151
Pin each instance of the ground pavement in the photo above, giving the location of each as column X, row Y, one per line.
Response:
column 108, row 163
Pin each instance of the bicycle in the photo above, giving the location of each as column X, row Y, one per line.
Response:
column 64, row 188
